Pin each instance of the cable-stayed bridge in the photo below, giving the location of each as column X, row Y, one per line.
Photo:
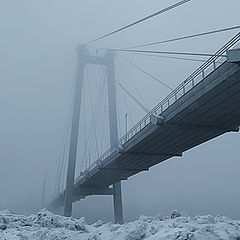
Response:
column 204, row 106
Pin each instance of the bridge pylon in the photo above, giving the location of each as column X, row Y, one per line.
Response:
column 113, row 129
column 107, row 60
column 72, row 156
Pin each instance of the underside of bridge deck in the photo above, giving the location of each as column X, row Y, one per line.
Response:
column 210, row 109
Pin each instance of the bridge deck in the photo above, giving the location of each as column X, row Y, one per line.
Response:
column 196, row 114
column 208, row 110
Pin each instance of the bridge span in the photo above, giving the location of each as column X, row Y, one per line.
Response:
column 206, row 105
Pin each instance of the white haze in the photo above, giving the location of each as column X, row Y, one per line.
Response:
column 37, row 69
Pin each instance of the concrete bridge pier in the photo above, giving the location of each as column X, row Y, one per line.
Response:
column 117, row 203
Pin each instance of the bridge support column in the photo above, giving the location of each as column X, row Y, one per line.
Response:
column 117, row 203
column 74, row 133
column 113, row 129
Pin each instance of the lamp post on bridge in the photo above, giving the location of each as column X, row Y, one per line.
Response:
column 126, row 122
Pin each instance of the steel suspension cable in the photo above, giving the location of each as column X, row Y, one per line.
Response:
column 82, row 163
column 91, row 105
column 65, row 141
column 146, row 72
column 184, row 37
column 125, row 101
column 101, row 67
column 64, row 164
column 102, row 101
column 107, row 114
column 102, row 134
column 85, row 138
column 138, row 93
column 118, row 122
column 97, row 107
column 169, row 57
column 171, row 53
column 135, row 99
column 141, row 20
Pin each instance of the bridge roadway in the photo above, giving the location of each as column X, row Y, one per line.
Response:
column 208, row 110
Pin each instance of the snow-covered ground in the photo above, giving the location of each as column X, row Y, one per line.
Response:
column 45, row 225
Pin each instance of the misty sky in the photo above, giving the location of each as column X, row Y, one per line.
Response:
column 37, row 69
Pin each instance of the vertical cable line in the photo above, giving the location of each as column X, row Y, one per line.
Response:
column 99, row 100
column 65, row 155
column 101, row 119
column 93, row 116
column 118, row 122
column 83, row 158
column 140, row 20
column 107, row 114
column 101, row 67
column 97, row 107
column 102, row 133
column 67, row 143
column 94, row 127
column 58, row 184
column 85, row 138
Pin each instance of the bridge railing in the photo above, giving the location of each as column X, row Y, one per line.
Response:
column 197, row 76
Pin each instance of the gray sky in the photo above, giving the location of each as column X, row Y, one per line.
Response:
column 37, row 69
